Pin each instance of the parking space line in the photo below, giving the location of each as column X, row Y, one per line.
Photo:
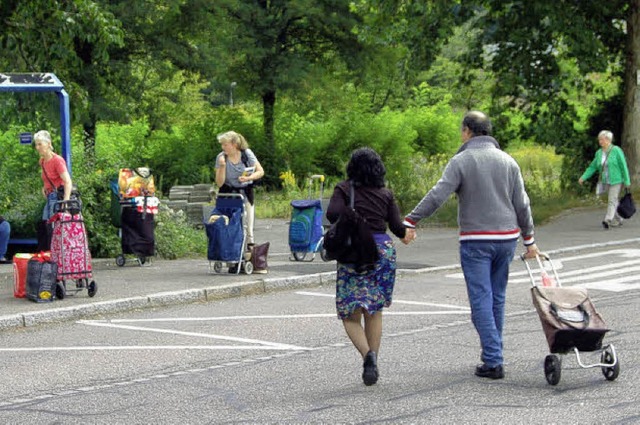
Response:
column 195, row 334
column 147, row 348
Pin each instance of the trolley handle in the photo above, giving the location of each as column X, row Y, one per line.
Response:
column 319, row 177
column 71, row 205
column 544, row 256
column 546, row 280
column 230, row 195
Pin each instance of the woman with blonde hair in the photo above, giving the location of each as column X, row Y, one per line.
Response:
column 236, row 169
column 54, row 175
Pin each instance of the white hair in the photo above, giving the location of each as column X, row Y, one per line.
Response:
column 606, row 134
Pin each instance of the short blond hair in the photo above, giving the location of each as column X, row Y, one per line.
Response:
column 234, row 138
column 43, row 136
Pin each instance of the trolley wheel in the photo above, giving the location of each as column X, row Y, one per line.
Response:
column 248, row 267
column 60, row 291
column 609, row 372
column 552, row 369
column 217, row 267
column 323, row 255
column 299, row 256
column 120, row 260
column 92, row 288
column 142, row 260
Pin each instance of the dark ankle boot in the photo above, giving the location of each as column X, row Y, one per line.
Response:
column 370, row 369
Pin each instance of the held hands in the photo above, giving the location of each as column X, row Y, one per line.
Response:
column 580, row 180
column 409, row 236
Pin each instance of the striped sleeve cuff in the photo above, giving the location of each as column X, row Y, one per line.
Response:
column 409, row 223
column 528, row 240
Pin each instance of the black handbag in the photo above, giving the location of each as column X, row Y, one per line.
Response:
column 350, row 241
column 626, row 207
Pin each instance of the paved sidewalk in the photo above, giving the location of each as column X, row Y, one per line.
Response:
column 163, row 282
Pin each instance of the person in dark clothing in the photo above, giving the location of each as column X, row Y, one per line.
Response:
column 5, row 234
column 364, row 294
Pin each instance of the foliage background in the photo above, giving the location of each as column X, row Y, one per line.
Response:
column 152, row 83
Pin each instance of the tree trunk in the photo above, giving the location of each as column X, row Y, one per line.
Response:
column 631, row 110
column 90, row 140
column 268, row 160
column 268, row 105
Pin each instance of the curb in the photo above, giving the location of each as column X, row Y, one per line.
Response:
column 217, row 293
column 187, row 296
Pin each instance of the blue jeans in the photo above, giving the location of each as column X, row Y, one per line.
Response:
column 48, row 210
column 485, row 265
column 5, row 233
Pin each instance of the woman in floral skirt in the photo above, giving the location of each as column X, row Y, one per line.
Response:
column 363, row 294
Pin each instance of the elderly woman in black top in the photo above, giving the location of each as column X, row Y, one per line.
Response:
column 364, row 294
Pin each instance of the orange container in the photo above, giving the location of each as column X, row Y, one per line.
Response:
column 20, row 262
column 20, row 274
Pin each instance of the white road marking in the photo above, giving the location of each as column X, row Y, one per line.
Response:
column 146, row 348
column 395, row 301
column 628, row 265
column 196, row 334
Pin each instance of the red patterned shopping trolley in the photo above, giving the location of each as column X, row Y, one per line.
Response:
column 70, row 250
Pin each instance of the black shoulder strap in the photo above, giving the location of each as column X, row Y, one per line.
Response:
column 352, row 195
column 47, row 176
column 244, row 158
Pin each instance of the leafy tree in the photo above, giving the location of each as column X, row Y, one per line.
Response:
column 273, row 46
column 71, row 39
column 526, row 44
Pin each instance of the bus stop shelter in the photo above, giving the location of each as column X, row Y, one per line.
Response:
column 41, row 83
column 45, row 83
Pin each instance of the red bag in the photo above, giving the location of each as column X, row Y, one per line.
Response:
column 20, row 274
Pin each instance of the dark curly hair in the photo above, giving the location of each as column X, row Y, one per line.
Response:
column 365, row 168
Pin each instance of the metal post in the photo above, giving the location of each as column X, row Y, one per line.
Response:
column 65, row 127
column 231, row 87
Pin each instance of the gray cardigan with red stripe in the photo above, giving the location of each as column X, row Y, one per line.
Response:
column 492, row 202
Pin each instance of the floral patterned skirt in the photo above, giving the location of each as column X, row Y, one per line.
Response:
column 371, row 290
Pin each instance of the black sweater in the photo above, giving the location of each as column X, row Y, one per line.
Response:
column 376, row 205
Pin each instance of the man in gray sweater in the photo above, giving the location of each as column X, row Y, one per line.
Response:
column 493, row 212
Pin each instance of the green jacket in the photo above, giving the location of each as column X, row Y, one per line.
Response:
column 616, row 163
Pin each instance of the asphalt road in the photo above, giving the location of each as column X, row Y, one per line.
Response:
column 283, row 357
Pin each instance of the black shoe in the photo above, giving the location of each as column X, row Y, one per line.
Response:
column 605, row 225
column 233, row 269
column 370, row 372
column 485, row 371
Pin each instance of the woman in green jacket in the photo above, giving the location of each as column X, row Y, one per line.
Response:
column 611, row 166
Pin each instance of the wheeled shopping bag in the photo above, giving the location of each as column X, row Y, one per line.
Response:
column 570, row 323
column 226, row 236
column 306, row 231
column 70, row 250
column 133, row 210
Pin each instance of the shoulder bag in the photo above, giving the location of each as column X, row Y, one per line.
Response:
column 626, row 207
column 350, row 241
